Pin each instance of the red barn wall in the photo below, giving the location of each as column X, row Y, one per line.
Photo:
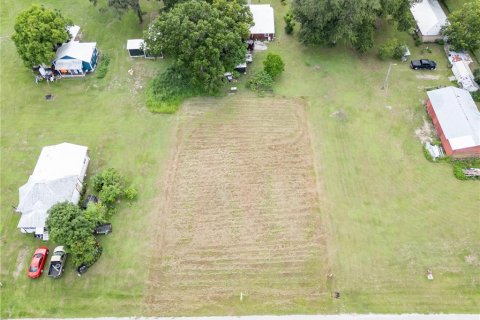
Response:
column 459, row 153
column 438, row 127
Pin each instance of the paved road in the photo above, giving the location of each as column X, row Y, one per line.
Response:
column 411, row 316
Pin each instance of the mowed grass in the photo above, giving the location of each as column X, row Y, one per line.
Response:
column 388, row 213
column 110, row 118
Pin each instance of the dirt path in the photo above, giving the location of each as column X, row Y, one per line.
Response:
column 21, row 262
column 240, row 212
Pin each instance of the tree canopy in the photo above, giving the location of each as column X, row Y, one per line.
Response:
column 211, row 39
column 463, row 32
column 68, row 225
column 37, row 32
column 353, row 21
column 273, row 65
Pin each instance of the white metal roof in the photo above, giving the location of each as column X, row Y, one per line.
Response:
column 73, row 31
column 135, row 44
column 58, row 171
column 464, row 75
column 78, row 50
column 429, row 16
column 263, row 19
column 458, row 116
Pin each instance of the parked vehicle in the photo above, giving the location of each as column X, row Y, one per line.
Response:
column 423, row 64
column 57, row 262
column 37, row 263
column 81, row 269
column 249, row 57
column 89, row 199
column 103, row 229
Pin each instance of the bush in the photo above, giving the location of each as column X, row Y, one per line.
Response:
column 392, row 49
column 102, row 69
column 418, row 41
column 96, row 213
column 476, row 95
column 107, row 177
column 261, row 81
column 110, row 194
column 130, row 193
column 476, row 75
column 289, row 22
column 166, row 92
column 273, row 65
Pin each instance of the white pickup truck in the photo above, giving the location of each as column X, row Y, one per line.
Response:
column 57, row 262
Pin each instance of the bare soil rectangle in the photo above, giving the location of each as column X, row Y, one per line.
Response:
column 240, row 210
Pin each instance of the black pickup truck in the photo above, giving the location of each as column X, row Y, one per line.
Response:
column 423, row 64
column 57, row 262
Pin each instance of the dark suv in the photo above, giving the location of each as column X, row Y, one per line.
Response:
column 423, row 64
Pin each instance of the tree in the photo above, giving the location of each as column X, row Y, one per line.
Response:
column 66, row 221
column 352, row 21
column 211, row 39
column 289, row 22
column 124, row 5
column 261, row 81
column 392, row 49
column 37, row 31
column 273, row 65
column 463, row 32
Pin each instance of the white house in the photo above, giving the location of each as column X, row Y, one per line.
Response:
column 264, row 22
column 58, row 176
column 430, row 19
column 136, row 48
column 76, row 58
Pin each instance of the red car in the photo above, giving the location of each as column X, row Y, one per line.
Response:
column 38, row 262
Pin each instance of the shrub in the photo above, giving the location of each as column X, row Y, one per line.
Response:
column 110, row 194
column 289, row 22
column 103, row 67
column 476, row 95
column 392, row 49
column 107, row 177
column 273, row 65
column 166, row 92
column 476, row 75
column 261, row 81
column 96, row 213
column 130, row 193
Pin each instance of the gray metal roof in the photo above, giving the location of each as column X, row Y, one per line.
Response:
column 458, row 116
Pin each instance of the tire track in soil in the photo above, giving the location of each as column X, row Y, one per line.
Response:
column 239, row 211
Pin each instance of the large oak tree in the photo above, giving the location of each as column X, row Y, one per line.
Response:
column 463, row 32
column 353, row 21
column 204, row 39
column 37, row 32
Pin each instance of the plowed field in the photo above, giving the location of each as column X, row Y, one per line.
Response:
column 239, row 213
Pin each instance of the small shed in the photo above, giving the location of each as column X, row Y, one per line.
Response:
column 57, row 177
column 430, row 19
column 73, row 31
column 264, row 22
column 136, row 48
column 76, row 58
column 457, row 121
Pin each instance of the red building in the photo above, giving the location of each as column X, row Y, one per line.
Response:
column 264, row 22
column 457, row 121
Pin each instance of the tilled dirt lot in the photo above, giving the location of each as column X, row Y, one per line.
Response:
column 239, row 212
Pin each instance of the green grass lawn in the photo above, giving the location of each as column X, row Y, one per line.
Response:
column 389, row 214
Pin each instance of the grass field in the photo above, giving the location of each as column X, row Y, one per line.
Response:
column 385, row 214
